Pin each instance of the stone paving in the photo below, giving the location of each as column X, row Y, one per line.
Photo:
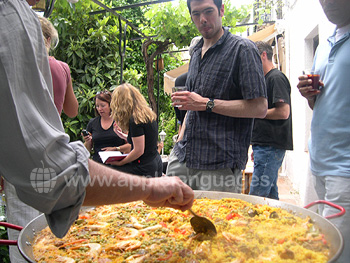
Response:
column 286, row 192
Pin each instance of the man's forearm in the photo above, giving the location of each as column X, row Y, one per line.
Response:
column 109, row 186
column 280, row 112
column 255, row 108
column 117, row 187
column 183, row 128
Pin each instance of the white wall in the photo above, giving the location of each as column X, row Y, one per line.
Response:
column 304, row 21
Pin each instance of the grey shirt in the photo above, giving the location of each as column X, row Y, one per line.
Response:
column 230, row 70
column 48, row 172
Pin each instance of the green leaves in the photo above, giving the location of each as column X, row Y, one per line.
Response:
column 4, row 250
column 90, row 46
column 171, row 21
column 132, row 76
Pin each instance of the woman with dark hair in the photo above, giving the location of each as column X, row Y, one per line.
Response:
column 101, row 136
column 133, row 115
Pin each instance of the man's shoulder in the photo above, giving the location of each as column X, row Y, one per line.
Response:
column 277, row 74
column 239, row 43
column 239, row 39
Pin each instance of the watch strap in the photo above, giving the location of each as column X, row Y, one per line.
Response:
column 210, row 105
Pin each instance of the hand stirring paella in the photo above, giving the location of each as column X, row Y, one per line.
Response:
column 134, row 232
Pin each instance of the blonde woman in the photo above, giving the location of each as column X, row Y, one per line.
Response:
column 133, row 115
column 64, row 97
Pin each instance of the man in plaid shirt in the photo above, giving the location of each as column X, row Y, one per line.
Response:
column 225, row 91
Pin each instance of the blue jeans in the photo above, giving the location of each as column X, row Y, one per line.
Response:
column 267, row 161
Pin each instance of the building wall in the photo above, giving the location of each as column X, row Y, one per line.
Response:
column 305, row 23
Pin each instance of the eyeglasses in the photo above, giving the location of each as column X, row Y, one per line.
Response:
column 103, row 92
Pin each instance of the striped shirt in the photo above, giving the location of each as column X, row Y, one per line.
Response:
column 230, row 70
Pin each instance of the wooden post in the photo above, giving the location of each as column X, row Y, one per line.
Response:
column 159, row 64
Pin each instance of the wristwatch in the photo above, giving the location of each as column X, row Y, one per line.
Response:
column 210, row 105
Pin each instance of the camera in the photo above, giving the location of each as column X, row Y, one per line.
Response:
column 85, row 132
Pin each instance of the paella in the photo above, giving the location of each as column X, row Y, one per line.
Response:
column 135, row 232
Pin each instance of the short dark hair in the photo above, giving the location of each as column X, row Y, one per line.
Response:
column 218, row 4
column 263, row 46
column 105, row 96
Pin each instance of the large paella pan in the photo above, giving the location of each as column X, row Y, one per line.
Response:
column 332, row 237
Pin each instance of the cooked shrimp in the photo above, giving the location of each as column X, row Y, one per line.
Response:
column 126, row 233
column 151, row 228
column 154, row 247
column 106, row 214
column 151, row 216
column 61, row 259
column 136, row 258
column 271, row 256
column 203, row 250
column 136, row 223
column 231, row 237
column 128, row 245
column 97, row 226
column 95, row 249
column 239, row 222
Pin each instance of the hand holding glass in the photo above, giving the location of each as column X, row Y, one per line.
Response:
column 315, row 78
column 178, row 89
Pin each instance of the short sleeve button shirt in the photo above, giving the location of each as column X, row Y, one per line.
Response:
column 230, row 70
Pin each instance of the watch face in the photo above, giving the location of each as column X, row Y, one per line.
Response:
column 210, row 104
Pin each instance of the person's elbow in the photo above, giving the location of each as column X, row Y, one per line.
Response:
column 70, row 104
column 283, row 111
column 261, row 108
column 139, row 151
column 71, row 109
column 285, row 115
column 72, row 114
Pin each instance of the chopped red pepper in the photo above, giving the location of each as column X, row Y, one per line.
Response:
column 232, row 215
column 281, row 241
column 177, row 230
column 163, row 224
